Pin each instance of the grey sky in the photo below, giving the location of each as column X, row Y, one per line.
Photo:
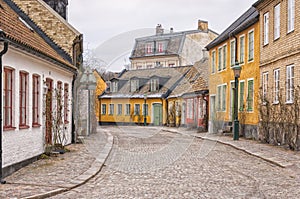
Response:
column 101, row 20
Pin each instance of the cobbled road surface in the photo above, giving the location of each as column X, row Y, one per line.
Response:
column 147, row 162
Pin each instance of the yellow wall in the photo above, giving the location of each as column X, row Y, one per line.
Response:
column 249, row 70
column 132, row 118
column 101, row 86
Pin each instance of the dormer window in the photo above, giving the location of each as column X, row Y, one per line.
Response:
column 114, row 87
column 154, row 84
column 134, row 85
column 149, row 48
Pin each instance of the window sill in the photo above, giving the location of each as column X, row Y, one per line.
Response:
column 24, row 127
column 36, row 125
column 66, row 122
column 289, row 103
column 275, row 103
column 290, row 32
column 9, row 128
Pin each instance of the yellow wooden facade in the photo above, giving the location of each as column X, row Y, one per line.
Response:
column 100, row 88
column 224, row 78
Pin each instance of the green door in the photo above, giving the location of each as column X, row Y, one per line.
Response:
column 157, row 112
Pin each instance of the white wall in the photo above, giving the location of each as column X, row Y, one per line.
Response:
column 22, row 144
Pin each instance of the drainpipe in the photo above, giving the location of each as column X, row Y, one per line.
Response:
column 99, row 99
column 2, row 36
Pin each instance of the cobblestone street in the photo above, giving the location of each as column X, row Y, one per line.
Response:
column 153, row 163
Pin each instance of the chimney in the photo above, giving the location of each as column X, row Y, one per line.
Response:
column 159, row 30
column 171, row 30
column 203, row 25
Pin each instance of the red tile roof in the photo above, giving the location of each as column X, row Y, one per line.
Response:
column 17, row 32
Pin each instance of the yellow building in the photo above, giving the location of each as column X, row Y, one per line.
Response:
column 139, row 96
column 238, row 43
column 100, row 88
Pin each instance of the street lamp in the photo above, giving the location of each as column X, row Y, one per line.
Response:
column 145, row 119
column 236, row 71
column 89, row 83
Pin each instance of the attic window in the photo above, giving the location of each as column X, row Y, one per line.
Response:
column 154, row 84
column 26, row 24
column 134, row 85
column 114, row 87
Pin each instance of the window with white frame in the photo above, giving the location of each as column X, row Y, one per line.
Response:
column 190, row 108
column 277, row 21
column 241, row 97
column 290, row 84
column 114, row 85
column 266, row 28
column 250, row 97
column 221, row 97
column 213, row 62
column 154, row 84
column 137, row 109
column 23, row 98
column 127, row 109
column 265, row 77
column 224, row 56
column 251, row 45
column 276, row 85
column 291, row 15
column 134, row 85
column 232, row 53
column 103, row 109
column 8, row 98
column 119, row 111
column 242, row 49
column 219, row 59
column 111, row 109
column 149, row 48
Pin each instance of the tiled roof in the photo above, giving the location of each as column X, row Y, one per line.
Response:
column 250, row 17
column 168, row 79
column 21, row 34
column 195, row 81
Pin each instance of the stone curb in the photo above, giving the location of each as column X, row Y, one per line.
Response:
column 271, row 160
column 95, row 168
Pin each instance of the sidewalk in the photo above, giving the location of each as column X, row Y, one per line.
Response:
column 274, row 154
column 47, row 177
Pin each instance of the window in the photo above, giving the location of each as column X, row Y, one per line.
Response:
column 111, row 109
column 290, row 84
column 224, row 56
column 137, row 109
column 134, row 85
column 277, row 21
column 59, row 101
column 291, row 15
column 251, row 45
column 127, row 109
column 213, row 62
column 66, row 103
column 114, row 87
column 265, row 86
column 190, row 108
column 266, row 28
column 219, row 59
column 119, row 111
column 242, row 91
column 145, row 109
column 250, row 98
column 7, row 102
column 154, row 84
column 232, row 53
column 222, row 97
column 242, row 49
column 160, row 47
column 35, row 100
column 276, row 85
column 23, row 91
column 149, row 48
column 103, row 109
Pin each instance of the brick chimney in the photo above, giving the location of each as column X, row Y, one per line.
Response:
column 203, row 25
column 60, row 6
column 159, row 30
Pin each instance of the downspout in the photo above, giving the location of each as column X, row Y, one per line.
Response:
column 2, row 36
column 99, row 110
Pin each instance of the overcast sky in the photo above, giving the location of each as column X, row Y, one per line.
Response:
column 105, row 23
